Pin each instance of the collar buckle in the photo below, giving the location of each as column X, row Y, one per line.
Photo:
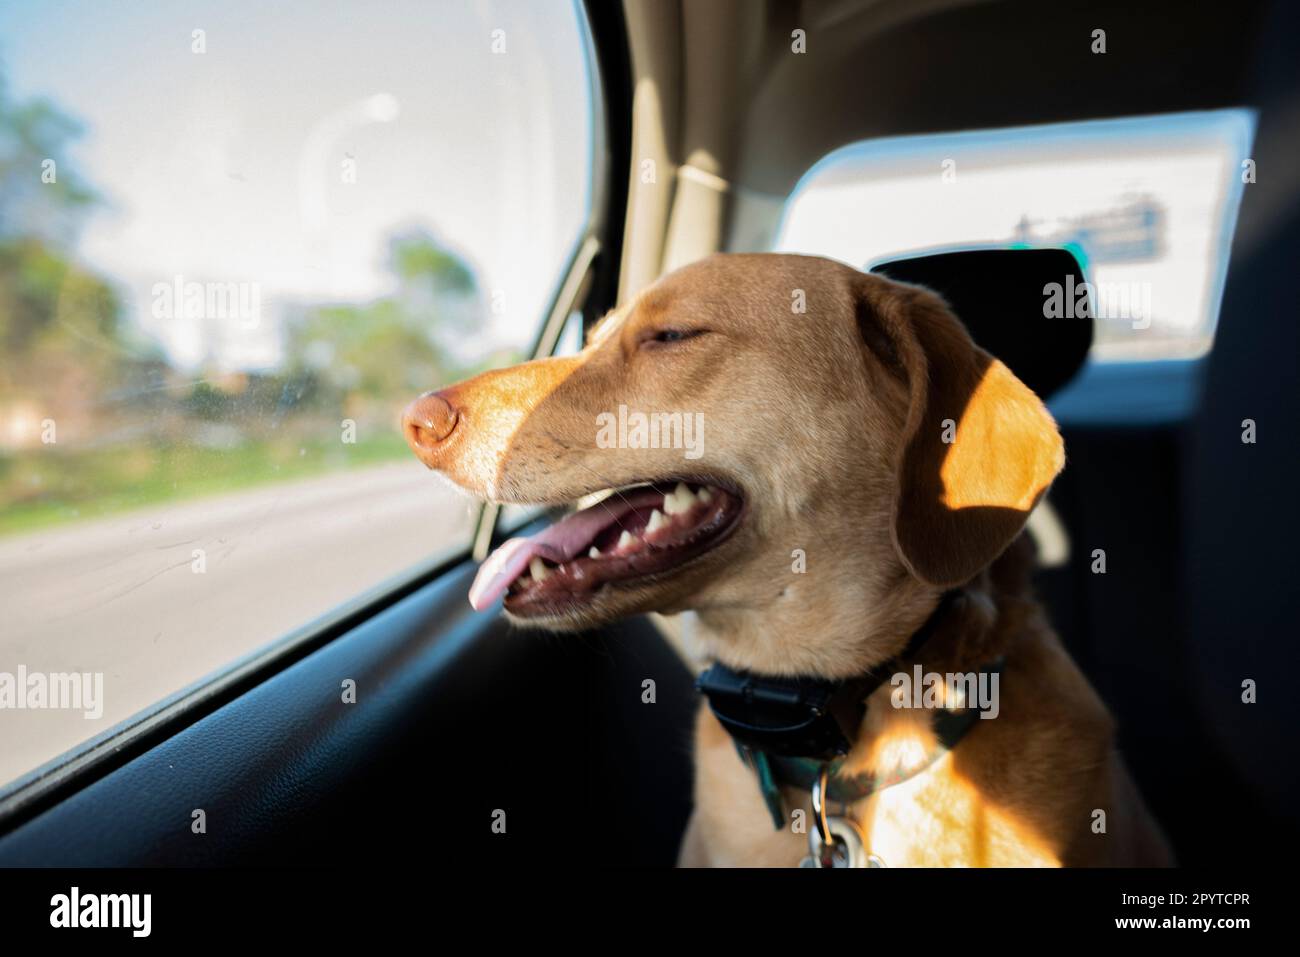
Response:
column 784, row 716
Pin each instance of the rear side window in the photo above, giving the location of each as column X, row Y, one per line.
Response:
column 1148, row 205
column 236, row 238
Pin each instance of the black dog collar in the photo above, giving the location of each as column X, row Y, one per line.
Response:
column 801, row 717
column 787, row 729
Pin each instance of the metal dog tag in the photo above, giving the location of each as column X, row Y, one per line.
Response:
column 846, row 847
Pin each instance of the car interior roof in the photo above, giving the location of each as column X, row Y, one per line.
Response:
column 721, row 100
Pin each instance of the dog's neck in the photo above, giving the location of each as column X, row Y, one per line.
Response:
column 885, row 742
column 824, row 629
column 970, row 632
column 839, row 626
column 976, row 630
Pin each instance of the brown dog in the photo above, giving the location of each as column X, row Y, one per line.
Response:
column 810, row 483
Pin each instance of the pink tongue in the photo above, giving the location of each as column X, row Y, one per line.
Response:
column 557, row 543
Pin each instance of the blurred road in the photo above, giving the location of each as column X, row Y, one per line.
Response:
column 120, row 596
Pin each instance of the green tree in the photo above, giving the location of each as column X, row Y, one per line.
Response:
column 60, row 325
column 391, row 347
column 41, row 194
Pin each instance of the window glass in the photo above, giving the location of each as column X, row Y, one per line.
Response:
column 1148, row 204
column 236, row 238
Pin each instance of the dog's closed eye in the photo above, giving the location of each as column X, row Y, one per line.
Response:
column 661, row 338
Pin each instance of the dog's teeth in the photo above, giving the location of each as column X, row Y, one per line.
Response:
column 657, row 521
column 626, row 540
column 538, row 568
column 679, row 500
column 593, row 552
column 706, row 496
column 595, row 497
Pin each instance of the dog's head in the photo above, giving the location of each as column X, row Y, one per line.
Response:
column 786, row 437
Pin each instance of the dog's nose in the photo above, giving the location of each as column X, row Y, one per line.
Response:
column 426, row 423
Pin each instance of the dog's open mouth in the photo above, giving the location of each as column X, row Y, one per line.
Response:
column 631, row 534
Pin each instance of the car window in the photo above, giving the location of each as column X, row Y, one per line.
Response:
column 236, row 238
column 1147, row 203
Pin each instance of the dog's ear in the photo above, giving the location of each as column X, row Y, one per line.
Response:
column 979, row 448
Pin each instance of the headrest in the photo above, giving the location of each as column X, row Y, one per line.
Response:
column 1000, row 294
